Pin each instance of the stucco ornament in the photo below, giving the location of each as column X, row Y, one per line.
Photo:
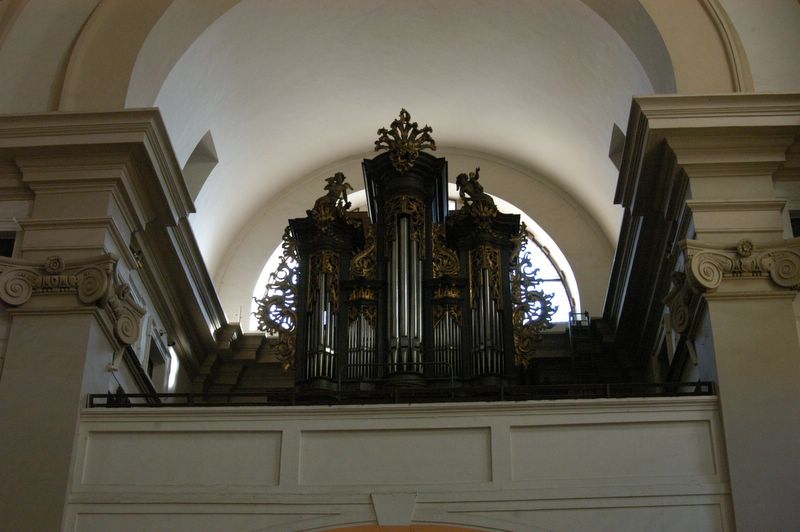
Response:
column 94, row 281
column 678, row 301
column 708, row 265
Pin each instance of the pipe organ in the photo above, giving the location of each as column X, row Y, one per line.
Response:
column 408, row 292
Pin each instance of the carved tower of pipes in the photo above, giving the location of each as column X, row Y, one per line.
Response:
column 407, row 293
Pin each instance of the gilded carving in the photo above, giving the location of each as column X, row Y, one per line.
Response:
column 444, row 292
column 442, row 311
column 370, row 313
column 532, row 309
column 324, row 262
column 363, row 293
column 276, row 312
column 477, row 203
column 404, row 140
column 445, row 260
column 415, row 210
column 334, row 203
column 364, row 263
column 485, row 257
column 93, row 281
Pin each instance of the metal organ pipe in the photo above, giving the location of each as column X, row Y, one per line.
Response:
column 405, row 306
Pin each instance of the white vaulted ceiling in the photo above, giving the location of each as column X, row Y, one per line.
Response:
column 289, row 87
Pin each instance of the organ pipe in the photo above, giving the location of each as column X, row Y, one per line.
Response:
column 406, row 291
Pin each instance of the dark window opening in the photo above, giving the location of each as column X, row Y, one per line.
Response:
column 7, row 240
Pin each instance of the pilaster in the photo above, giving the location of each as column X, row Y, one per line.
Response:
column 68, row 318
column 103, row 241
column 732, row 267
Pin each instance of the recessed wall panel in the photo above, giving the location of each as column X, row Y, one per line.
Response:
column 408, row 456
column 189, row 458
column 612, row 450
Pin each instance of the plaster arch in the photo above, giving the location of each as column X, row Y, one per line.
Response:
column 125, row 50
column 167, row 28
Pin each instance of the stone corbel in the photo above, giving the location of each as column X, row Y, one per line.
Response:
column 707, row 265
column 94, row 281
column 679, row 301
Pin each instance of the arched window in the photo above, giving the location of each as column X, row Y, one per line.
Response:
column 554, row 270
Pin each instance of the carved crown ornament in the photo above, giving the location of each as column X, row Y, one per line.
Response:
column 707, row 266
column 404, row 140
column 94, row 281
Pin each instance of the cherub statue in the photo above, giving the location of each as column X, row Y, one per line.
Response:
column 469, row 190
column 334, row 200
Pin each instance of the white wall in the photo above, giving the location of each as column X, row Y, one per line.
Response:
column 624, row 464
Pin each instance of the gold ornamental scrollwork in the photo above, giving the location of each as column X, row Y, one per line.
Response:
column 363, row 293
column 445, row 260
column 442, row 311
column 415, row 210
column 364, row 263
column 276, row 312
column 404, row 141
column 532, row 309
column 485, row 257
column 369, row 312
column 324, row 262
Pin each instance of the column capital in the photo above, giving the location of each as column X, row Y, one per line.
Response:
column 92, row 282
column 709, row 265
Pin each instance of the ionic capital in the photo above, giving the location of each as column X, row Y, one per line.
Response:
column 94, row 281
column 708, row 265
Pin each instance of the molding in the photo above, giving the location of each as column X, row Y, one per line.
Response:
column 556, row 407
column 737, row 205
column 773, row 108
column 730, row 169
column 94, row 281
column 773, row 229
column 741, row 76
column 430, row 494
column 74, row 132
column 105, row 222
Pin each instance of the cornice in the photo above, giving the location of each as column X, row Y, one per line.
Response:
column 100, row 222
column 785, row 106
column 736, row 205
column 713, row 134
column 141, row 129
column 94, row 281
